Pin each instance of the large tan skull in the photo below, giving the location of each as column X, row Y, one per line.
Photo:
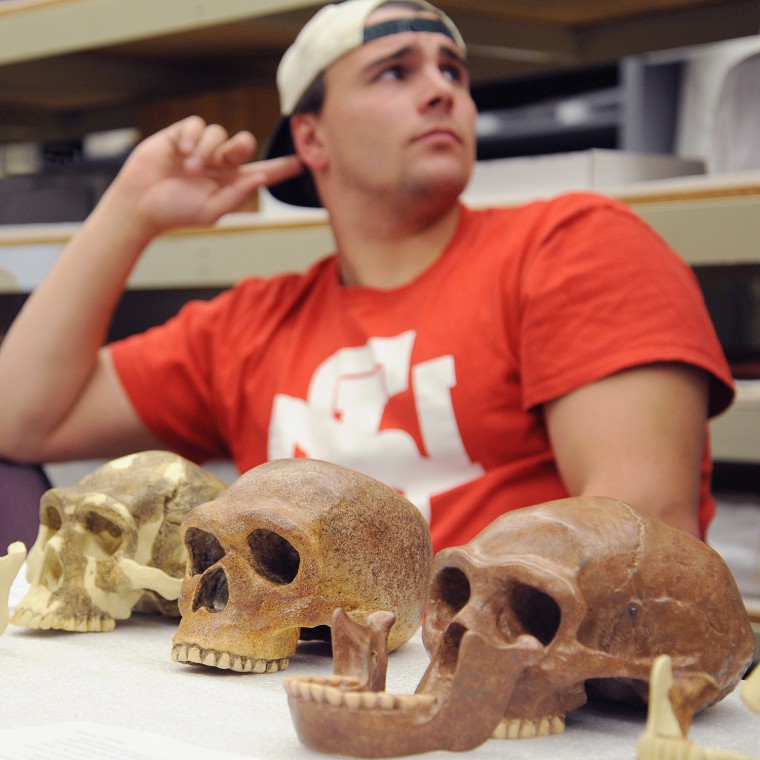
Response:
column 287, row 544
column 110, row 544
column 543, row 603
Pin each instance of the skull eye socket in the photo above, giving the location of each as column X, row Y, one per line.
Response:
column 451, row 592
column 530, row 610
column 203, row 549
column 51, row 518
column 274, row 557
column 103, row 536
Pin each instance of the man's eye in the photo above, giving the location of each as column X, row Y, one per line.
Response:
column 453, row 73
column 393, row 73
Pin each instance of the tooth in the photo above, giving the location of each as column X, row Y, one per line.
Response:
column 500, row 732
column 304, row 689
column 223, row 661
column 21, row 617
column 256, row 666
column 210, row 658
column 369, row 700
column 508, row 728
column 334, row 696
column 352, row 699
column 194, row 654
column 528, row 729
column 385, row 701
column 317, row 692
column 272, row 666
column 406, row 701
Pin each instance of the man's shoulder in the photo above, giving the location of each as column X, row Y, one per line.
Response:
column 555, row 205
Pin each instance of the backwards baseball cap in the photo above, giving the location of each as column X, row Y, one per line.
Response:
column 334, row 31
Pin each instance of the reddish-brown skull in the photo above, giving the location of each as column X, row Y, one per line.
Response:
column 545, row 602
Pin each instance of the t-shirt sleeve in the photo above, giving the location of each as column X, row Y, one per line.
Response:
column 603, row 292
column 167, row 373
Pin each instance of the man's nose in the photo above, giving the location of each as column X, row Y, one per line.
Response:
column 437, row 89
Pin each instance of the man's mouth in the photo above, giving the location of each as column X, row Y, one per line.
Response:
column 440, row 134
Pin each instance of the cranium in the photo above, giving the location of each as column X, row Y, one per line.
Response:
column 287, row 544
column 543, row 603
column 110, row 544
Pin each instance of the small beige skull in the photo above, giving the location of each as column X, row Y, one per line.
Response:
column 110, row 544
column 289, row 542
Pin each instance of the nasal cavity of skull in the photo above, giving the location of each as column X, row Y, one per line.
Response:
column 102, row 537
column 213, row 592
column 529, row 610
column 274, row 557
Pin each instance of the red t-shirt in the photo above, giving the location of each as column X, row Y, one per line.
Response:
column 436, row 387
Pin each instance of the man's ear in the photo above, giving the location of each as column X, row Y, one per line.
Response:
column 307, row 138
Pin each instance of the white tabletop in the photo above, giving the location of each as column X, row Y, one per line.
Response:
column 118, row 695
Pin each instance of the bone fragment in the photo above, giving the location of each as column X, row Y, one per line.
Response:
column 750, row 690
column 360, row 650
column 663, row 737
column 10, row 564
column 151, row 578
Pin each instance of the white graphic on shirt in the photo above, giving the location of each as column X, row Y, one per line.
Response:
column 340, row 419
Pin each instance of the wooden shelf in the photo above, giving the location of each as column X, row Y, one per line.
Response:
column 68, row 67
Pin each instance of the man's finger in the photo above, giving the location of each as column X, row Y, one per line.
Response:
column 274, row 170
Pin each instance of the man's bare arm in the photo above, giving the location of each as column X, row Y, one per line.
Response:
column 637, row 436
column 61, row 398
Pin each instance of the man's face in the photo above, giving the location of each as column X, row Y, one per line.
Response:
column 398, row 116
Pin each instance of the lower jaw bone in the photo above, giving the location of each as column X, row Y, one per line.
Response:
column 339, row 716
column 225, row 660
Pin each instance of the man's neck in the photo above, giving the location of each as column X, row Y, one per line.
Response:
column 389, row 250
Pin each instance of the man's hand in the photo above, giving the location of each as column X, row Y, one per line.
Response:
column 192, row 173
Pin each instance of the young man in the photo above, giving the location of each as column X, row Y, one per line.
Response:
column 477, row 361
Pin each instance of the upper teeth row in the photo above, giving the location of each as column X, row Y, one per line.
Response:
column 225, row 660
column 47, row 620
